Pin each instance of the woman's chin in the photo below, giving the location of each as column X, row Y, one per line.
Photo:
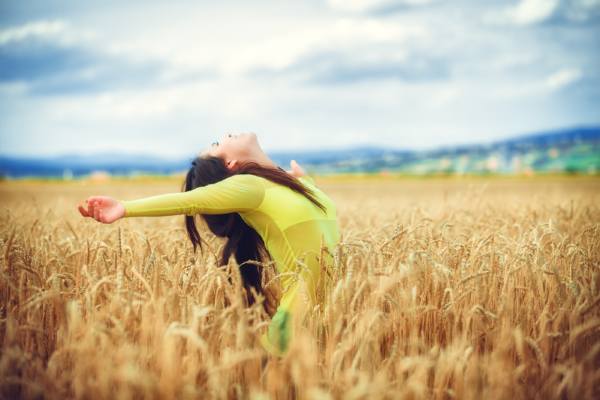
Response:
column 251, row 137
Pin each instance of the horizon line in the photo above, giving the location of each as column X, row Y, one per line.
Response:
column 354, row 147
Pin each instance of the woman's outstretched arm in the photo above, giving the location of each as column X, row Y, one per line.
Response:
column 239, row 193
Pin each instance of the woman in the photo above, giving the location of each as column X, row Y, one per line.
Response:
column 261, row 209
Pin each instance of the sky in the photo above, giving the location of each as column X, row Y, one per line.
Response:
column 170, row 78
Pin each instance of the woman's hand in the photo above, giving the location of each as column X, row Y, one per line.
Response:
column 103, row 209
column 297, row 171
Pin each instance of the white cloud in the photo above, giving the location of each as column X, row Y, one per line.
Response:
column 344, row 34
column 369, row 5
column 563, row 77
column 443, row 97
column 552, row 82
column 525, row 13
column 372, row 30
column 512, row 60
column 589, row 3
column 532, row 11
column 57, row 31
column 35, row 29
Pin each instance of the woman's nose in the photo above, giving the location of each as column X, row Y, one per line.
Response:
column 228, row 135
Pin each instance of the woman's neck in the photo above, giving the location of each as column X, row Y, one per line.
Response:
column 258, row 156
column 265, row 161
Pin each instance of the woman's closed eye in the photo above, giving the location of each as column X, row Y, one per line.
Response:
column 215, row 143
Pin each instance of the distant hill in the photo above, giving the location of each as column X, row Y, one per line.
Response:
column 569, row 150
column 572, row 150
column 78, row 165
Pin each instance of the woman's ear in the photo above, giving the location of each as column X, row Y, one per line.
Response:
column 231, row 164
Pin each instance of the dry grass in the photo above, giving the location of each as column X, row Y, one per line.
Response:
column 440, row 291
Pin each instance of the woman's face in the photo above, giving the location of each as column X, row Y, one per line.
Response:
column 234, row 149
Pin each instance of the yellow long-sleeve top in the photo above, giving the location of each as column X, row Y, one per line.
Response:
column 288, row 223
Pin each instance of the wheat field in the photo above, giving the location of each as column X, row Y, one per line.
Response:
column 438, row 291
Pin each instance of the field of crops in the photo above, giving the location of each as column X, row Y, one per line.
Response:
column 438, row 291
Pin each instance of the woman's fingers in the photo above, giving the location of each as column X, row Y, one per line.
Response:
column 297, row 170
column 82, row 211
column 95, row 213
column 94, row 206
column 90, row 206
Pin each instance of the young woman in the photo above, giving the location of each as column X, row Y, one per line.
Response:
column 263, row 211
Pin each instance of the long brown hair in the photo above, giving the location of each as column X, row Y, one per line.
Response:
column 242, row 241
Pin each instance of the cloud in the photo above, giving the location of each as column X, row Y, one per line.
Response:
column 563, row 77
column 531, row 12
column 41, row 29
column 51, row 57
column 339, row 68
column 579, row 11
column 525, row 13
column 349, row 50
column 553, row 82
column 343, row 35
column 373, row 5
column 372, row 30
column 443, row 97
